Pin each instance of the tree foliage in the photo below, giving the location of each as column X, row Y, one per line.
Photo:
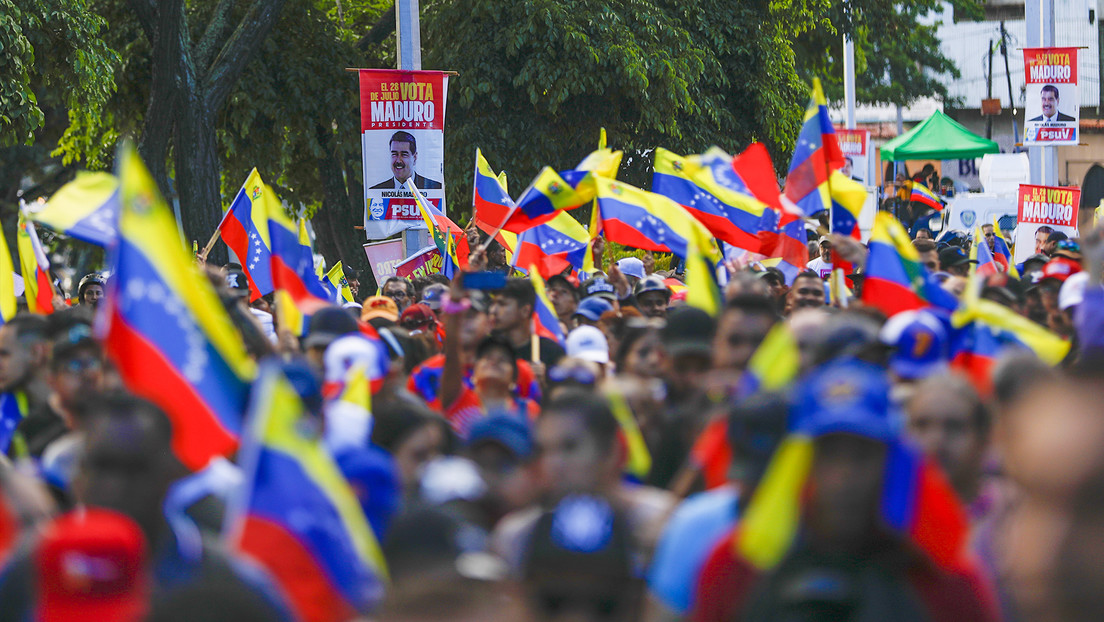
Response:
column 51, row 54
column 897, row 56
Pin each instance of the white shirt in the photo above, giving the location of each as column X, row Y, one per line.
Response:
column 821, row 267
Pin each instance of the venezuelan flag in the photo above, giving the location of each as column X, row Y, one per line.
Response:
column 551, row 192
column 449, row 238
column 349, row 413
column 7, row 282
column 895, row 279
column 775, row 363
column 816, row 154
column 553, row 246
column 166, row 330
column 85, row 208
column 712, row 191
column 986, row 262
column 337, row 280
column 292, row 266
column 297, row 515
column 702, row 290
column 244, row 228
column 13, row 409
column 38, row 289
column 491, row 201
column 921, row 194
column 848, row 198
column 649, row 221
column 639, row 462
column 544, row 314
column 916, row 501
column 1002, row 249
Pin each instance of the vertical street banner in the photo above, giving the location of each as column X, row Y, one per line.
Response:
column 1052, row 104
column 402, row 133
column 1042, row 210
column 855, row 145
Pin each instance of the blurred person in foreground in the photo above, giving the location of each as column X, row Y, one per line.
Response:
column 580, row 451
column 24, row 370
column 844, row 559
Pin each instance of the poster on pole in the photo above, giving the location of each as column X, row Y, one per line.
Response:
column 402, row 133
column 1052, row 104
column 383, row 257
column 855, row 145
column 1042, row 210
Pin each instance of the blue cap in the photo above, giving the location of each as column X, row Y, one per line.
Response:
column 592, row 308
column 510, row 431
column 848, row 396
column 920, row 344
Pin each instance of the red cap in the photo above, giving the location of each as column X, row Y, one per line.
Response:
column 416, row 316
column 90, row 566
column 1061, row 268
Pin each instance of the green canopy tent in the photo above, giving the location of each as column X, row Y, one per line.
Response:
column 939, row 137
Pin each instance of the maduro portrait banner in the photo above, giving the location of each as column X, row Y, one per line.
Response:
column 855, row 145
column 1042, row 210
column 1051, row 105
column 402, row 133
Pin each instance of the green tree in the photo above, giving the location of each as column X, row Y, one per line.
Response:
column 539, row 78
column 897, row 56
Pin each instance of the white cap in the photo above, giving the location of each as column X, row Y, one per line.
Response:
column 631, row 266
column 344, row 353
column 1072, row 292
column 589, row 344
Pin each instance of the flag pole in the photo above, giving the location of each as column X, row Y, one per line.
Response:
column 211, row 243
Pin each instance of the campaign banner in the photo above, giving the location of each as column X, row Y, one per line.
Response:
column 423, row 263
column 383, row 257
column 1052, row 104
column 1042, row 210
column 402, row 133
column 855, row 145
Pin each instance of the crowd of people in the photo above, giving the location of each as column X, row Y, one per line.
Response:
column 642, row 468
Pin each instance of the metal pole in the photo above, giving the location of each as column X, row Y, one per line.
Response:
column 409, row 35
column 989, row 93
column 1050, row 154
column 849, row 80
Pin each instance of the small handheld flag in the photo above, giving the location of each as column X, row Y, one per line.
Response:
column 38, row 289
column 244, row 228
column 544, row 314
column 85, row 208
column 816, row 154
column 921, row 194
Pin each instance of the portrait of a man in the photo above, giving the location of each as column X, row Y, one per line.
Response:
column 1049, row 100
column 404, row 157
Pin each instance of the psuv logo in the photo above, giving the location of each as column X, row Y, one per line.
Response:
column 1056, row 134
column 405, row 211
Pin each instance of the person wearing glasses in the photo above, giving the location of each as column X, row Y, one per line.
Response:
column 400, row 290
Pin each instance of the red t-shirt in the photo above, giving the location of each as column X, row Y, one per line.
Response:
column 468, row 409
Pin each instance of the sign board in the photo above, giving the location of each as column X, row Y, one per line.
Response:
column 383, row 257
column 1051, row 105
column 855, row 145
column 1042, row 210
column 423, row 263
column 402, row 125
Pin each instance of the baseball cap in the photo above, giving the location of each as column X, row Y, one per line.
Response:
column 568, row 280
column 509, row 431
column 631, row 266
column 919, row 341
column 589, row 344
column 592, row 308
column 599, row 286
column 845, row 395
column 1072, row 292
column 416, row 316
column 1038, row 258
column 1061, row 268
column 328, row 324
column 953, row 256
column 90, row 566
column 651, row 283
column 689, row 330
column 237, row 283
column 824, row 240
column 433, row 295
column 379, row 307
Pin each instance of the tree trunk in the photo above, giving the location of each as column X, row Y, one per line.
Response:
column 197, row 173
column 336, row 221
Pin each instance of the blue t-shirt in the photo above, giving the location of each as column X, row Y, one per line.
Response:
column 694, row 529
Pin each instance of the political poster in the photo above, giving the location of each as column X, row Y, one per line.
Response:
column 423, row 263
column 1051, row 104
column 402, row 125
column 1042, row 210
column 383, row 257
column 855, row 145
